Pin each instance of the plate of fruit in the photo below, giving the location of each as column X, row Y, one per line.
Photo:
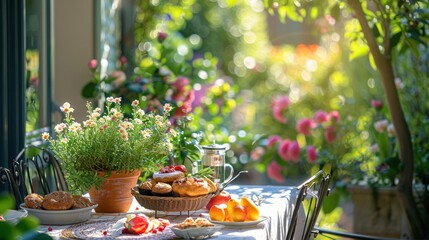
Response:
column 234, row 212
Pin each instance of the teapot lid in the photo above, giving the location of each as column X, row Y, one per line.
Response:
column 214, row 146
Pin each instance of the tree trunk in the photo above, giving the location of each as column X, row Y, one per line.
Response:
column 385, row 68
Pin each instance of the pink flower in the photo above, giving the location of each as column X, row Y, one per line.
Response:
column 377, row 104
column 311, row 154
column 335, row 115
column 278, row 105
column 283, row 150
column 257, row 153
column 330, row 134
column 123, row 60
column 186, row 106
column 274, row 172
column 294, row 151
column 381, row 125
column 162, row 36
column 119, row 77
column 321, row 116
column 92, row 64
column 180, row 83
column 272, row 140
column 304, row 126
column 278, row 115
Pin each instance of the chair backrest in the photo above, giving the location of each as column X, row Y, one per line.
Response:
column 7, row 179
column 37, row 170
column 314, row 191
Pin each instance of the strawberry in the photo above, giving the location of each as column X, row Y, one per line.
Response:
column 137, row 224
column 181, row 168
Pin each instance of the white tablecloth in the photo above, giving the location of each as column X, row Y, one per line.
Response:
column 277, row 205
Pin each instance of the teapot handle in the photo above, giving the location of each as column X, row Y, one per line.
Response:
column 225, row 184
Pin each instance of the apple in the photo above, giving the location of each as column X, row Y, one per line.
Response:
column 221, row 198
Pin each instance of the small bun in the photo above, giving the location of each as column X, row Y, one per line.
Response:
column 58, row 200
column 33, row 200
column 190, row 187
column 145, row 187
column 162, row 189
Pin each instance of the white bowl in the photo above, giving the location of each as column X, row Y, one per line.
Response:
column 61, row 217
column 13, row 216
column 196, row 232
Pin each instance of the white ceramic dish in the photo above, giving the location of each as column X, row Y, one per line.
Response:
column 13, row 216
column 198, row 232
column 62, row 217
column 241, row 224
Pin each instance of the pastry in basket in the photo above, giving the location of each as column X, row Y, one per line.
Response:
column 145, row 187
column 33, row 200
column 212, row 185
column 162, row 189
column 170, row 173
column 58, row 200
column 190, row 187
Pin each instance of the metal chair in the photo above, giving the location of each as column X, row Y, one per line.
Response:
column 314, row 190
column 7, row 178
column 37, row 170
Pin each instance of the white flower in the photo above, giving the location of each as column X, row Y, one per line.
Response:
column 374, row 148
column 399, row 84
column 146, row 133
column 75, row 127
column 95, row 114
column 45, row 136
column 158, row 118
column 173, row 132
column 110, row 99
column 60, row 127
column 66, row 108
column 64, row 140
column 140, row 112
column 169, row 146
column 117, row 100
column 89, row 123
column 159, row 123
column 138, row 121
column 381, row 125
column 135, row 103
column 391, row 130
column 167, row 107
column 118, row 115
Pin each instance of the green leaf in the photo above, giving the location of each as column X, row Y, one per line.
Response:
column 331, row 202
column 372, row 62
column 7, row 231
column 6, row 202
column 27, row 224
column 89, row 90
column 394, row 40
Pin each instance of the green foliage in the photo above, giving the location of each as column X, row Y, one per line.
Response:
column 107, row 141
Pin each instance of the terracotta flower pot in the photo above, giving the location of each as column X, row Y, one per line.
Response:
column 114, row 194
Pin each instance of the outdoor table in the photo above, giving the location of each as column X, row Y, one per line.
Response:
column 277, row 205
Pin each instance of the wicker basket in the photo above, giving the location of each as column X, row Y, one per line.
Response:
column 171, row 204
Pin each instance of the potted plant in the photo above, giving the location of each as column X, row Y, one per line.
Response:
column 107, row 145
